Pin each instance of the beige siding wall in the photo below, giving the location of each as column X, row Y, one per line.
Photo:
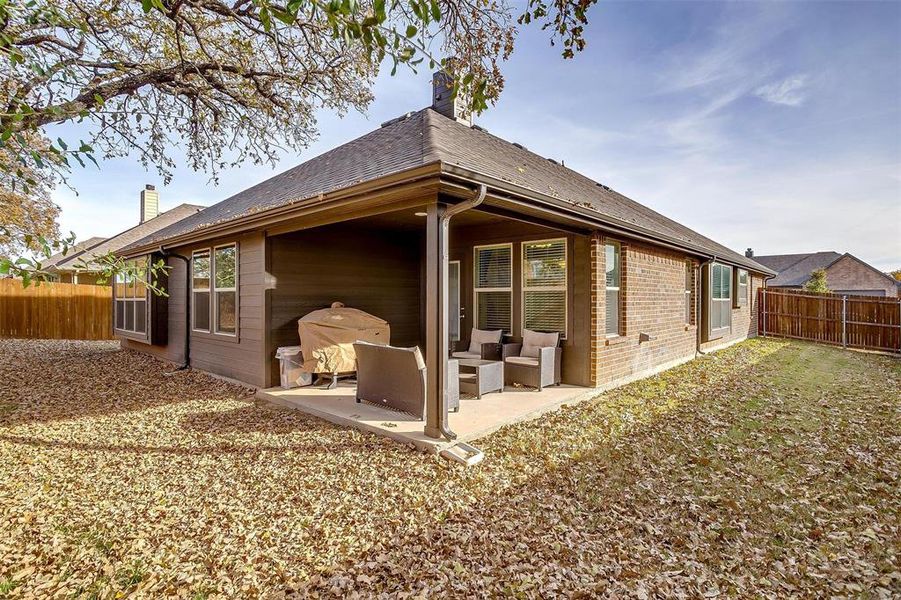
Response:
column 238, row 357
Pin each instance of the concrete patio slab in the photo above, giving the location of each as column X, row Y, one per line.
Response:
column 476, row 418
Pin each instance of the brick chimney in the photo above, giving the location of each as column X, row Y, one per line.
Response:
column 150, row 203
column 444, row 103
column 749, row 253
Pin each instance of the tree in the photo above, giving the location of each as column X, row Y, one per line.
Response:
column 817, row 282
column 26, row 211
column 896, row 274
column 235, row 80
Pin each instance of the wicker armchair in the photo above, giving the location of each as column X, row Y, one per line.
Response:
column 535, row 362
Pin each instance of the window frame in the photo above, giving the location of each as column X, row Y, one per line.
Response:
column 620, row 329
column 545, row 288
column 214, row 308
column 131, row 302
column 209, row 290
column 726, row 302
column 740, row 298
column 210, row 251
column 475, row 280
column 689, row 292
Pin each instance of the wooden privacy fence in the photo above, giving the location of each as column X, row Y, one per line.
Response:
column 868, row 322
column 60, row 311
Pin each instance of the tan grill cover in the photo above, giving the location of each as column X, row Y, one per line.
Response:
column 327, row 337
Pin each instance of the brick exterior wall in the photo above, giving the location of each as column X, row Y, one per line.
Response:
column 850, row 275
column 652, row 302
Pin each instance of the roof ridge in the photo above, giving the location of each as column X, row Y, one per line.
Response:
column 429, row 149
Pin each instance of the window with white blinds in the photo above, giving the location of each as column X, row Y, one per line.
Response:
column 544, row 286
column 689, row 267
column 493, row 285
column 720, row 298
column 613, row 267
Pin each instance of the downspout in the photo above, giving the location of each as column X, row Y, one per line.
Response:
column 453, row 210
column 698, row 305
column 187, row 350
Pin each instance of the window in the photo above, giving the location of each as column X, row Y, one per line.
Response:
column 689, row 269
column 741, row 288
column 214, row 289
column 720, row 298
column 493, row 284
column 131, row 298
column 200, row 290
column 614, row 277
column 544, row 286
column 225, row 300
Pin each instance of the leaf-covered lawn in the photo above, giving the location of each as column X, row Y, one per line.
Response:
column 767, row 469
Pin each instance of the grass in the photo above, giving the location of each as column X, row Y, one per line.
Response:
column 767, row 469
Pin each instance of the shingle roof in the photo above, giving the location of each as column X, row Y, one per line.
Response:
column 76, row 250
column 426, row 137
column 129, row 236
column 794, row 269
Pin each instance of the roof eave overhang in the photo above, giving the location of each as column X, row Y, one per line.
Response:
column 411, row 177
column 443, row 174
column 500, row 189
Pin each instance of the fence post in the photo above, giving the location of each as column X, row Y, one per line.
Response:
column 765, row 294
column 844, row 321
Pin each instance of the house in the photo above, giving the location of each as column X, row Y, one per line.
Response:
column 79, row 265
column 75, row 250
column 845, row 274
column 426, row 212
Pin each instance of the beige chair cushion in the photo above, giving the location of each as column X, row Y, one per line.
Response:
column 522, row 360
column 481, row 336
column 532, row 341
column 467, row 354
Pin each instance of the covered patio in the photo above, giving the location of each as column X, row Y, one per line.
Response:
column 475, row 419
column 435, row 267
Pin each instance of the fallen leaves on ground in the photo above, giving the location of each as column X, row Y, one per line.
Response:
column 767, row 469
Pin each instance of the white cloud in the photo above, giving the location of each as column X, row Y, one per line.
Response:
column 791, row 91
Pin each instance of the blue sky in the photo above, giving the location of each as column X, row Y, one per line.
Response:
column 770, row 125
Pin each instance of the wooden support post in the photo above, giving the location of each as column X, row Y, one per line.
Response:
column 436, row 335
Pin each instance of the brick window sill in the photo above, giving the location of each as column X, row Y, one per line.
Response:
column 615, row 341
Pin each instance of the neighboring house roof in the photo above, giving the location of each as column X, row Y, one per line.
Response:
column 129, row 236
column 426, row 137
column 76, row 250
column 794, row 269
